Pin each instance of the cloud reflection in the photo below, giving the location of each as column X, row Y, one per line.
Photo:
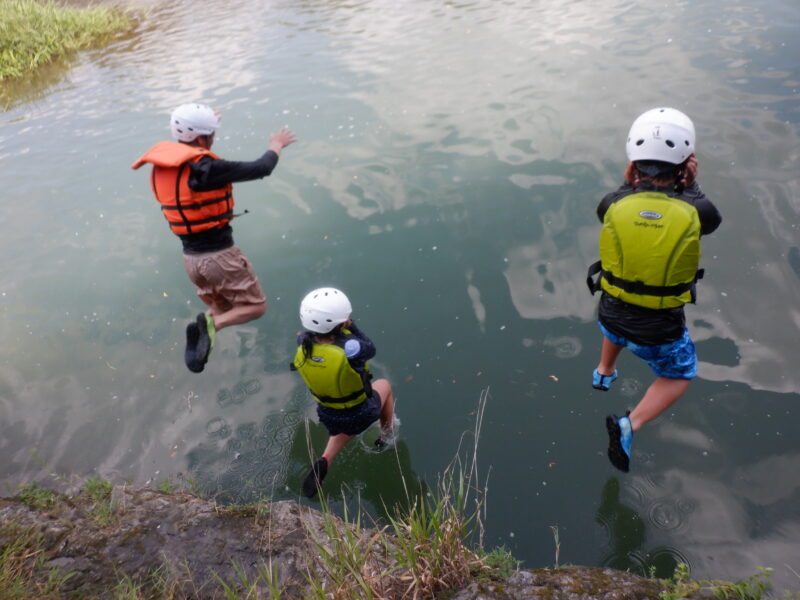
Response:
column 721, row 534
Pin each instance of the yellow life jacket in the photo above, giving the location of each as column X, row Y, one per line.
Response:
column 329, row 376
column 649, row 251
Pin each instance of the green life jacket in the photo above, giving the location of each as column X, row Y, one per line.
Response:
column 330, row 377
column 649, row 251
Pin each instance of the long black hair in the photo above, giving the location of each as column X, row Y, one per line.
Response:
column 309, row 338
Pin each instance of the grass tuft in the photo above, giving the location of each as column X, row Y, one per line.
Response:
column 247, row 586
column 34, row 32
column 423, row 551
column 36, row 496
column 681, row 585
column 500, row 563
column 20, row 560
column 99, row 491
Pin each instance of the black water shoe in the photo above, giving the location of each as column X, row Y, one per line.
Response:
column 190, row 353
column 315, row 477
column 620, row 436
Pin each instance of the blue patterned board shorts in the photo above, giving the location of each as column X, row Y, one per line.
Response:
column 350, row 421
column 675, row 360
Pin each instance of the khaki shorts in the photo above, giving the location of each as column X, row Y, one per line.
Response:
column 224, row 279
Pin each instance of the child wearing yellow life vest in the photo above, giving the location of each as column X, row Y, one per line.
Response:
column 332, row 357
column 648, row 268
column 195, row 189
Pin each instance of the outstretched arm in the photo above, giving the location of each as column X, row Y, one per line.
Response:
column 279, row 141
column 212, row 173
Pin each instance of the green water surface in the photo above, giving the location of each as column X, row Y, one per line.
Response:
column 450, row 159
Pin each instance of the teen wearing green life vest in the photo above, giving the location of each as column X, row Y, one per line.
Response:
column 649, row 264
column 332, row 357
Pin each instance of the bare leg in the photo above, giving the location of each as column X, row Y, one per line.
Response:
column 384, row 389
column 608, row 357
column 319, row 469
column 335, row 444
column 237, row 314
column 661, row 394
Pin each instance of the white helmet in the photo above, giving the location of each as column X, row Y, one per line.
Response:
column 662, row 134
column 191, row 120
column 323, row 309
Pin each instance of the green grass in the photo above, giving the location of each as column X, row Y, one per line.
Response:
column 166, row 486
column 20, row 559
column 426, row 551
column 99, row 491
column 429, row 548
column 680, row 585
column 499, row 562
column 247, row 587
column 36, row 496
column 34, row 32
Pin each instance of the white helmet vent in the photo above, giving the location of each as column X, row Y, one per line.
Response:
column 657, row 135
column 189, row 121
column 323, row 309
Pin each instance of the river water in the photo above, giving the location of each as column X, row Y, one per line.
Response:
column 450, row 159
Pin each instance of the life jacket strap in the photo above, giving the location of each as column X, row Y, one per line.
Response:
column 223, row 217
column 592, row 283
column 639, row 287
column 343, row 400
column 196, row 205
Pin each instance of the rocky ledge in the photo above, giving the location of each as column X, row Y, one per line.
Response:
column 177, row 545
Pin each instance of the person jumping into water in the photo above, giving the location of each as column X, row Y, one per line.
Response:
column 194, row 187
column 332, row 357
column 648, row 268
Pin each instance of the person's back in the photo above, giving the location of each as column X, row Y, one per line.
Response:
column 649, row 265
column 332, row 357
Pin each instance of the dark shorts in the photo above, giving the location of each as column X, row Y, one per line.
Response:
column 224, row 279
column 675, row 360
column 351, row 421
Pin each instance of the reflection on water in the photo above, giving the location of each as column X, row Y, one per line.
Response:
column 627, row 533
column 248, row 462
column 450, row 161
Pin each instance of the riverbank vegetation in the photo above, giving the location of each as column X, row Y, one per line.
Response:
column 35, row 32
column 422, row 553
column 431, row 548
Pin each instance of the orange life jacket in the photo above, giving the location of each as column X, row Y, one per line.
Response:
column 186, row 211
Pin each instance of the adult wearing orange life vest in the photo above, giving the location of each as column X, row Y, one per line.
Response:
column 194, row 187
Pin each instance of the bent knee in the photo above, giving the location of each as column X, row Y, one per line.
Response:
column 383, row 387
column 258, row 310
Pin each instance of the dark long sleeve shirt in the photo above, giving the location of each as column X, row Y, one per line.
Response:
column 710, row 218
column 210, row 173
